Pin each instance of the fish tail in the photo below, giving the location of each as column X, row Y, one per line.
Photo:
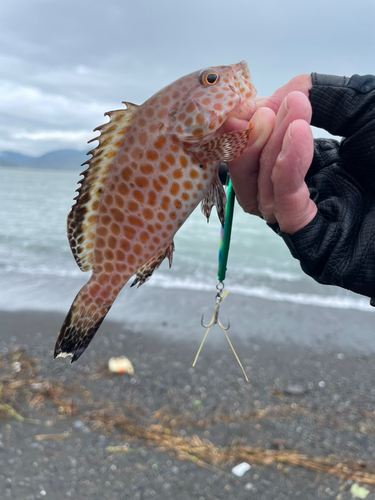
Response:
column 80, row 325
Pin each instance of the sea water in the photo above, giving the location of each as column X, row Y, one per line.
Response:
column 37, row 270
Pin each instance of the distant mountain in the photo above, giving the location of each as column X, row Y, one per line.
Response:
column 67, row 159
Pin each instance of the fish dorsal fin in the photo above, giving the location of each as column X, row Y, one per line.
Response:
column 83, row 217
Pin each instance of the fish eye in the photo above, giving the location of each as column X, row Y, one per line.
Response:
column 208, row 78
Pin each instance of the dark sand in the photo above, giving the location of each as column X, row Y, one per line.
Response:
column 302, row 403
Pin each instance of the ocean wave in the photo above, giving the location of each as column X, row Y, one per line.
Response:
column 330, row 301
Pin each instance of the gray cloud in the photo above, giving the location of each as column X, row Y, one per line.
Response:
column 63, row 64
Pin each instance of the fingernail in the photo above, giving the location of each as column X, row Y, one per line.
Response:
column 286, row 142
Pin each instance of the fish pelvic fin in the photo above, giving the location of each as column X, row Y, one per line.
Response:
column 215, row 196
column 79, row 327
column 83, row 217
column 145, row 272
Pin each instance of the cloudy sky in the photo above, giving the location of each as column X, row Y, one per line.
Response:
column 64, row 63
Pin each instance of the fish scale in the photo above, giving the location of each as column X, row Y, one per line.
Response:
column 154, row 164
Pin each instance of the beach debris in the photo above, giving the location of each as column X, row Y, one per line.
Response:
column 359, row 491
column 295, row 390
column 154, row 164
column 240, row 469
column 120, row 365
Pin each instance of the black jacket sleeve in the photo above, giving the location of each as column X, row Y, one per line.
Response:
column 338, row 246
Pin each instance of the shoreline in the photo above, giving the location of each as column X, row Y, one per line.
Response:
column 315, row 402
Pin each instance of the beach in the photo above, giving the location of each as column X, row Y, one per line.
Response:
column 172, row 431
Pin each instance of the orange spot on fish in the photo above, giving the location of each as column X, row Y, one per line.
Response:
column 165, row 99
column 150, row 228
column 194, row 174
column 161, row 216
column 174, row 189
column 133, row 206
column 98, row 257
column 163, row 166
column 170, row 159
column 108, row 267
column 139, row 196
column 148, row 214
column 188, row 121
column 177, row 174
column 198, row 131
column 177, row 204
column 116, row 280
column 112, row 242
column 156, row 240
column 152, row 155
column 143, row 138
column 190, row 107
column 137, row 249
column 102, row 231
column 160, row 142
column 188, row 185
column 125, row 245
column 185, row 196
column 108, row 254
column 206, row 100
column 141, row 182
column 111, row 154
column 163, row 179
column 117, row 215
column 100, row 243
column 162, row 113
column 123, row 189
column 115, row 229
column 158, row 226
column 218, row 106
column 129, row 232
column 108, row 199
column 219, row 96
column 136, row 153
column 131, row 259
column 181, row 117
column 157, row 185
column 152, row 198
column 126, row 173
column 144, row 237
column 199, row 119
column 173, row 215
column 169, row 227
column 149, row 112
column 146, row 169
column 119, row 201
column 183, row 161
column 165, row 202
column 135, row 221
column 164, row 235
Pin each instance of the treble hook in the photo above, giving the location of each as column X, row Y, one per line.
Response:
column 215, row 320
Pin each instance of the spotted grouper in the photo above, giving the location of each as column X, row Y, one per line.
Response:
column 153, row 165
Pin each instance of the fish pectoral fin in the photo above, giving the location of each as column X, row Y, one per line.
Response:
column 226, row 147
column 215, row 196
column 145, row 272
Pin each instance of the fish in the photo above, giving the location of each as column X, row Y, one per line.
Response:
column 154, row 163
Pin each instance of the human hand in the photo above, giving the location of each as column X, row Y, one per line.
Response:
column 322, row 205
column 268, row 178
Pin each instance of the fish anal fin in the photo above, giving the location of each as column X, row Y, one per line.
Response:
column 83, row 217
column 145, row 272
column 226, row 147
column 215, row 196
